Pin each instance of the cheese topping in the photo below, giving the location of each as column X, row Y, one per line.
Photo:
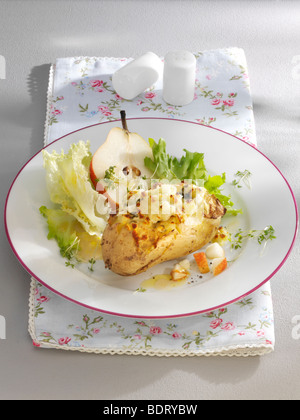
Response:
column 162, row 201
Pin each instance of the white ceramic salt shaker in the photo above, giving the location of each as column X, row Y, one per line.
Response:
column 179, row 77
column 137, row 76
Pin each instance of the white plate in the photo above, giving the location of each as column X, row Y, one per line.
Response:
column 269, row 202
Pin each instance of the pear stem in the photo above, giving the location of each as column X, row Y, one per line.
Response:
column 124, row 122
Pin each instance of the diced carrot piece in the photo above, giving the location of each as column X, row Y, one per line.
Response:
column 220, row 267
column 202, row 263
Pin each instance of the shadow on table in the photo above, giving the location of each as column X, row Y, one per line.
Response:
column 120, row 377
column 30, row 114
column 187, row 373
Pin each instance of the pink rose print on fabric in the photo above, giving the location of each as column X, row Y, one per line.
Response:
column 228, row 102
column 137, row 336
column 216, row 323
column 228, row 326
column 176, row 335
column 216, row 102
column 155, row 330
column 64, row 340
column 57, row 112
column 96, row 83
column 150, row 95
column 104, row 110
column 43, row 299
column 205, row 121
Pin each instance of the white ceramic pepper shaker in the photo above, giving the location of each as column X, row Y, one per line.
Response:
column 179, row 77
column 137, row 76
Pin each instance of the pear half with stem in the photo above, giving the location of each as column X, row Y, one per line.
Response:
column 120, row 156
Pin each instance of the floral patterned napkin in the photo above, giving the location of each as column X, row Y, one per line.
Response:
column 81, row 94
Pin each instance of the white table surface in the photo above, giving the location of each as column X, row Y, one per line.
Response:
column 32, row 35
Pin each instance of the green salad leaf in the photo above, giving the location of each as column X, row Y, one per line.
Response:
column 62, row 228
column 190, row 166
column 160, row 165
column 69, row 187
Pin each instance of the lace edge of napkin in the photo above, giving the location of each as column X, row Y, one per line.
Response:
column 49, row 98
column 245, row 350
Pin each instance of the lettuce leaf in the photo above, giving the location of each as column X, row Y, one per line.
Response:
column 69, row 186
column 161, row 165
column 62, row 228
column 191, row 167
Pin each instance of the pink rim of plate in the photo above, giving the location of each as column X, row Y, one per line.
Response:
column 162, row 316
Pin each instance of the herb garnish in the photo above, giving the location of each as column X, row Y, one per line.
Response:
column 110, row 177
column 92, row 261
column 141, row 290
column 242, row 177
column 266, row 234
column 69, row 264
column 110, row 173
